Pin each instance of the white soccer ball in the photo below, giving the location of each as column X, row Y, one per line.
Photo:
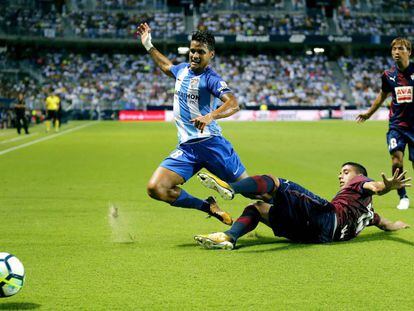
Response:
column 11, row 275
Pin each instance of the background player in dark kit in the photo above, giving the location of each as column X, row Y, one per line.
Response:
column 398, row 82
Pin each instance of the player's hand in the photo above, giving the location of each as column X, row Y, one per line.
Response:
column 362, row 117
column 388, row 225
column 394, row 226
column 397, row 181
column 401, row 225
column 144, row 31
column 202, row 121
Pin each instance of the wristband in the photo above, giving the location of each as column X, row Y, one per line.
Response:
column 147, row 43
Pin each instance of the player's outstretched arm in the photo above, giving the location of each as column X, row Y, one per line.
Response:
column 397, row 181
column 388, row 225
column 230, row 106
column 362, row 117
column 144, row 31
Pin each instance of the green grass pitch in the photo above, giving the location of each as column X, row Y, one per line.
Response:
column 55, row 195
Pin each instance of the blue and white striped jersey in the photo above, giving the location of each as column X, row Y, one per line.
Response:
column 196, row 95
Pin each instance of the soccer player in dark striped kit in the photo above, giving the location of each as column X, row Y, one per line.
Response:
column 297, row 214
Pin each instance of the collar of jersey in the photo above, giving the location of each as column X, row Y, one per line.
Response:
column 199, row 74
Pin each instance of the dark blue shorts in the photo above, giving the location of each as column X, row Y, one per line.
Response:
column 216, row 154
column 397, row 139
column 300, row 215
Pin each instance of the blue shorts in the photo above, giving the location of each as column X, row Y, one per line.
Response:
column 216, row 154
column 300, row 215
column 397, row 139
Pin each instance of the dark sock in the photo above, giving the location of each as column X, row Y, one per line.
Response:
column 259, row 184
column 245, row 223
column 402, row 193
column 186, row 200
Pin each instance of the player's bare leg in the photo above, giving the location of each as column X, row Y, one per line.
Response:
column 163, row 186
column 397, row 159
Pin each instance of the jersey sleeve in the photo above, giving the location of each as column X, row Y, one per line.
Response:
column 217, row 86
column 176, row 68
column 385, row 86
column 375, row 221
column 357, row 184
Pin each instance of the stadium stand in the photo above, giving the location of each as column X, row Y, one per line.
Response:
column 125, row 4
column 262, row 24
column 216, row 5
column 122, row 24
column 133, row 82
column 269, row 65
column 24, row 21
column 118, row 18
column 363, row 77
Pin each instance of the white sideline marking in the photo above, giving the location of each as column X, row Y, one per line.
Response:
column 46, row 138
column 7, row 133
column 18, row 138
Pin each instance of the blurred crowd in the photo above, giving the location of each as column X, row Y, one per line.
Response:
column 119, row 18
column 215, row 5
column 363, row 76
column 377, row 6
column 394, row 6
column 132, row 81
column 122, row 4
column 281, row 80
column 24, row 21
column 262, row 24
column 375, row 25
column 123, row 25
column 122, row 81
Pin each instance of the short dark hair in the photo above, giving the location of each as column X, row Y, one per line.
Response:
column 358, row 167
column 205, row 37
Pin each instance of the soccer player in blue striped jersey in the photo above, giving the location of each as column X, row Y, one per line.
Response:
column 198, row 92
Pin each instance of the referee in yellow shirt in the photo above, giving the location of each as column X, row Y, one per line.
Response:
column 52, row 106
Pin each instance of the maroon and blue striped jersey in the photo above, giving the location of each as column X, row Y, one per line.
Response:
column 353, row 208
column 400, row 84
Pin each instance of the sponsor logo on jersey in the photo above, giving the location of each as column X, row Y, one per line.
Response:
column 187, row 95
column 194, row 83
column 404, row 94
column 223, row 86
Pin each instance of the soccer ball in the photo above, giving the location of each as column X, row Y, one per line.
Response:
column 11, row 275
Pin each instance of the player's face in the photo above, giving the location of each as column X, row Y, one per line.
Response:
column 346, row 174
column 400, row 53
column 199, row 56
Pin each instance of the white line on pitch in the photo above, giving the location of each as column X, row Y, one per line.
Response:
column 18, row 138
column 46, row 138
